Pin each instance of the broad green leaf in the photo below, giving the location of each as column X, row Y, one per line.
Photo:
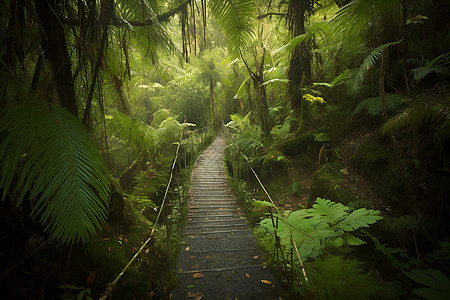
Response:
column 259, row 204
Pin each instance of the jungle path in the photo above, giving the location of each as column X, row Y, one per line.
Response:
column 218, row 258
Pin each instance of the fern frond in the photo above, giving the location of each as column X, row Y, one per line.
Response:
column 416, row 115
column 369, row 62
column 58, row 168
column 236, row 17
column 373, row 105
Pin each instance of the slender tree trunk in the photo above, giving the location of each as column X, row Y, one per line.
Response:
column 105, row 16
column 53, row 42
column 381, row 82
column 211, row 103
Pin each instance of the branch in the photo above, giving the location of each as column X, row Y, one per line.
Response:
column 270, row 14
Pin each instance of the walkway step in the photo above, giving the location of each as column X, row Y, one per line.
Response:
column 219, row 257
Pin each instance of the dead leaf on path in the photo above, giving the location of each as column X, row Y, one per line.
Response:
column 279, row 298
column 266, row 281
column 187, row 248
column 209, row 257
column 183, row 243
column 243, row 262
column 109, row 249
column 195, row 266
column 90, row 279
column 189, row 219
column 181, row 270
column 198, row 275
column 196, row 296
column 255, row 257
column 246, row 274
column 192, row 236
column 105, row 239
column 192, row 257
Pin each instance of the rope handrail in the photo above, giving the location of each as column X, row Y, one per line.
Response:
column 110, row 286
column 270, row 199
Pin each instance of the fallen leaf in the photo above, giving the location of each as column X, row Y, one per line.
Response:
column 266, row 281
column 209, row 257
column 90, row 279
column 195, row 266
column 243, row 262
column 187, row 248
column 192, row 257
column 192, row 236
column 246, row 274
column 109, row 249
column 196, row 296
column 198, row 275
column 184, row 243
column 105, row 239
column 181, row 270
column 255, row 257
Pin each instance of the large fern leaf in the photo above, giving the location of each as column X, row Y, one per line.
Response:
column 58, row 168
column 420, row 113
column 236, row 17
column 369, row 62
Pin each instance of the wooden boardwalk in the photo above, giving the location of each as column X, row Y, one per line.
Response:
column 219, row 258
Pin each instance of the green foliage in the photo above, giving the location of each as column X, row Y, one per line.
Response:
column 58, row 169
column 374, row 108
column 282, row 132
column 420, row 113
column 326, row 225
column 437, row 285
column 248, row 137
column 132, row 132
column 440, row 65
column 358, row 76
column 168, row 132
column 236, row 17
column 160, row 115
column 338, row 278
column 316, row 30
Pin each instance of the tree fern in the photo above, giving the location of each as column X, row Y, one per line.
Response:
column 58, row 168
column 236, row 18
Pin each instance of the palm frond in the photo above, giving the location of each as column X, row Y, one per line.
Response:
column 58, row 168
column 418, row 114
column 236, row 17
column 357, row 16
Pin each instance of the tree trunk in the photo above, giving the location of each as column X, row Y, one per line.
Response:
column 299, row 72
column 381, row 82
column 55, row 50
column 211, row 106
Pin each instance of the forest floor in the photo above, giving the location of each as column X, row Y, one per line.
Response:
column 219, row 257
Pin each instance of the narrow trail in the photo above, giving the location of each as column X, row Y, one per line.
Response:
column 219, row 258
